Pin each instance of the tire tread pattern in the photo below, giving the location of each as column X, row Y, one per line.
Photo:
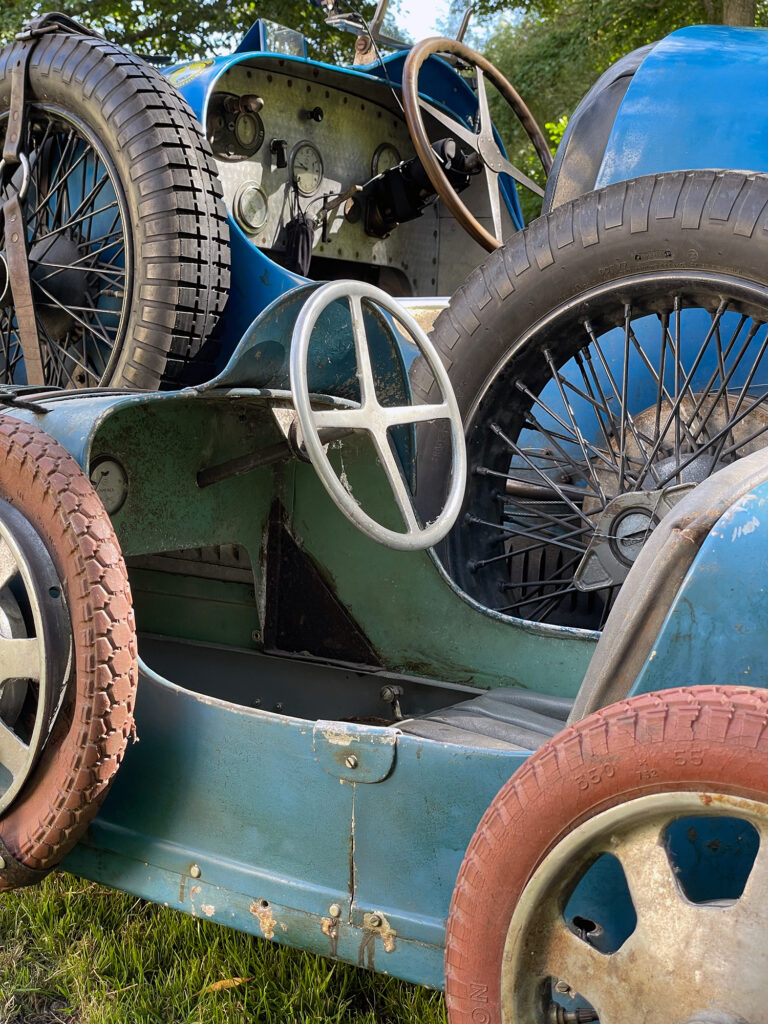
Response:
column 699, row 738
column 93, row 728
column 180, row 224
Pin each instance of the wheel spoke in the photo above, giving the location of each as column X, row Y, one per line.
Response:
column 649, row 874
column 574, row 426
column 19, row 658
column 8, row 566
column 550, row 434
column 574, row 961
column 682, row 388
column 77, row 244
column 559, row 540
column 13, row 751
column 532, row 465
column 72, row 312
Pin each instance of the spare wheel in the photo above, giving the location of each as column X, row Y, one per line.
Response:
column 68, row 665
column 126, row 230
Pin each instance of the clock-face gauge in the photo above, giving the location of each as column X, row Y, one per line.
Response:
column 110, row 482
column 251, row 209
column 385, row 158
column 306, row 168
column 249, row 132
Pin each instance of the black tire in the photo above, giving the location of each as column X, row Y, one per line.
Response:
column 635, row 245
column 142, row 139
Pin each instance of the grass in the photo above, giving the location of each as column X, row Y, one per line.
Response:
column 72, row 952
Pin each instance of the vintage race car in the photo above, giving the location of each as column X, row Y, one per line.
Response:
column 449, row 647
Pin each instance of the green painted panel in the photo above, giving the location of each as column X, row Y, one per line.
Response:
column 192, row 608
column 416, row 620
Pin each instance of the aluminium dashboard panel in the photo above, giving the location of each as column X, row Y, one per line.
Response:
column 359, row 116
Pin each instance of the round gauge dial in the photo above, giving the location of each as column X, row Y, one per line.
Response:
column 110, row 483
column 307, row 168
column 251, row 207
column 249, row 132
column 385, row 157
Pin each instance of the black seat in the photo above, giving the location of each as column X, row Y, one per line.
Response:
column 503, row 718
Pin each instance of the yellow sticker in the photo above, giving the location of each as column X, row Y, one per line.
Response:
column 185, row 74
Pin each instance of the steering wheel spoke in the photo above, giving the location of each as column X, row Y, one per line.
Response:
column 494, row 196
column 484, row 114
column 362, row 353
column 377, row 420
column 451, row 123
column 522, row 179
column 394, row 476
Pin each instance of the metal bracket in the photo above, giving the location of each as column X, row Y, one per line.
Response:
column 354, row 753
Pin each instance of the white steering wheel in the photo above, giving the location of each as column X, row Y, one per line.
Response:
column 375, row 418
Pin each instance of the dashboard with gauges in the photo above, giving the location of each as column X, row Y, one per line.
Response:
column 297, row 142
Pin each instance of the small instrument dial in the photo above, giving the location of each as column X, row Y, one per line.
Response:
column 251, row 209
column 306, row 168
column 110, row 483
column 385, row 158
column 249, row 132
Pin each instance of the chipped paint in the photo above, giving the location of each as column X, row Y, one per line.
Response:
column 339, row 738
column 263, row 912
column 330, row 927
column 744, row 529
column 208, row 909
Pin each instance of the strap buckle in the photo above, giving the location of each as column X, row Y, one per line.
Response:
column 25, row 174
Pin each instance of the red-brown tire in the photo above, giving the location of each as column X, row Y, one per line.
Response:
column 713, row 739
column 88, row 740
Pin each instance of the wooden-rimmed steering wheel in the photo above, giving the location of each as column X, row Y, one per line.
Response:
column 481, row 139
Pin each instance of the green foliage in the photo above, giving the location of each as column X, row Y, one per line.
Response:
column 76, row 953
column 554, row 50
column 187, row 29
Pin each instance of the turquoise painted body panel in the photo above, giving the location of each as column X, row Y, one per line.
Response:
column 715, row 630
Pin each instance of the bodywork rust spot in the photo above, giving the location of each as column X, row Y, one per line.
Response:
column 263, row 911
column 375, row 925
column 330, row 927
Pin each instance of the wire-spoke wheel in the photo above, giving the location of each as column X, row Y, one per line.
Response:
column 615, row 374
column 126, row 230
column 80, row 254
column 628, row 411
